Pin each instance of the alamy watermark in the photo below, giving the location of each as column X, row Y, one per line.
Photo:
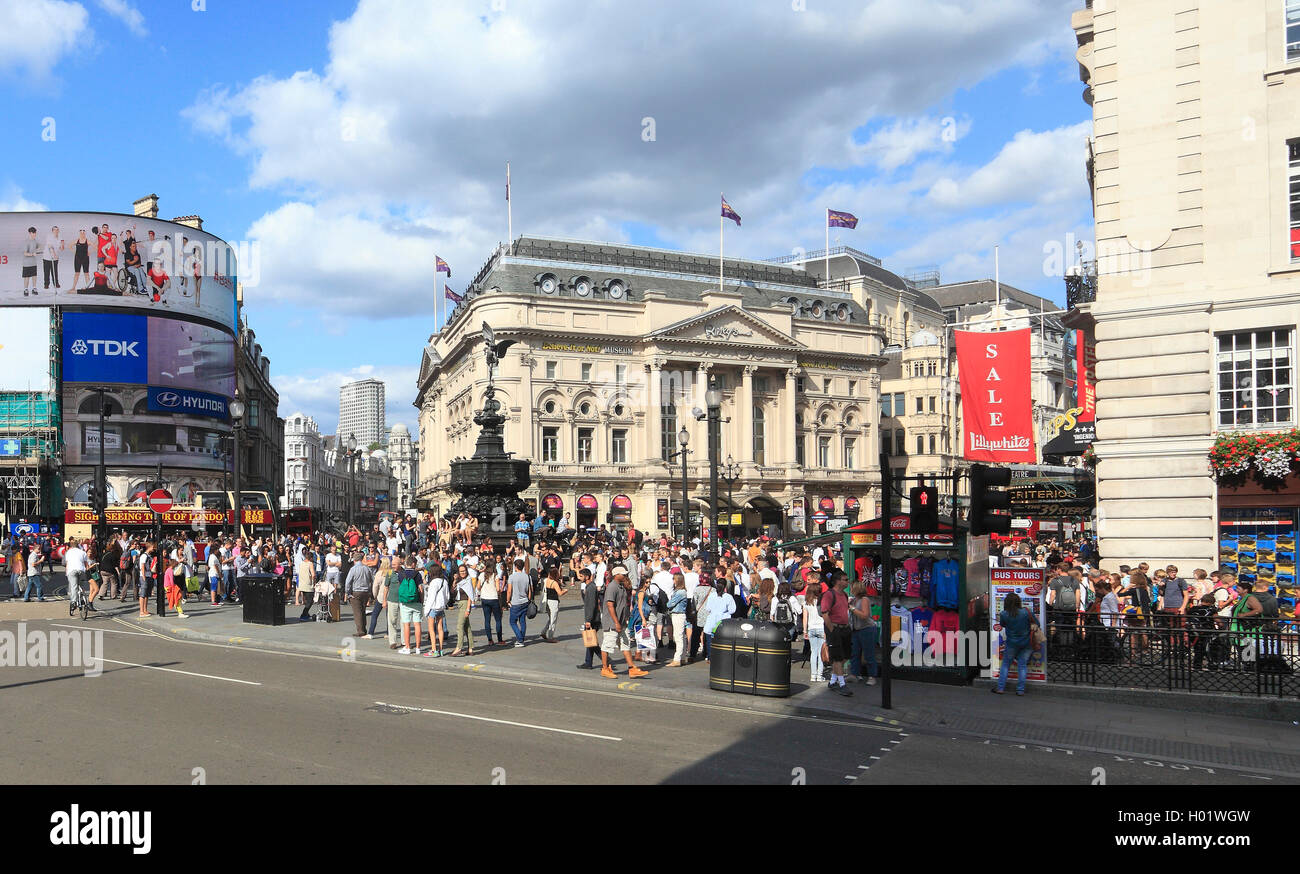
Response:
column 37, row 648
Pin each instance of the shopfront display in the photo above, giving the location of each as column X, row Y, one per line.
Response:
column 1030, row 584
column 587, row 507
column 1259, row 524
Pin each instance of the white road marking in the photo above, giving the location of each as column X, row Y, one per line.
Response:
column 97, row 628
column 850, row 776
column 863, row 767
column 501, row 721
column 875, row 758
column 176, row 671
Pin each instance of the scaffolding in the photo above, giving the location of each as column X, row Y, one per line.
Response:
column 30, row 445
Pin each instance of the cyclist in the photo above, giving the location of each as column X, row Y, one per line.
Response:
column 77, row 564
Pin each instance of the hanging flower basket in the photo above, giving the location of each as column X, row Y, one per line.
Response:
column 1270, row 455
column 1089, row 459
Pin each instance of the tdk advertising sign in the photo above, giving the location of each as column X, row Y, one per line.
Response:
column 186, row 402
column 110, row 347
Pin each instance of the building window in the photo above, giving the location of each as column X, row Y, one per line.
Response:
column 1293, row 173
column 584, row 445
column 826, row 386
column 620, row 374
column 932, row 444
column 920, row 445
column 900, row 446
column 886, row 406
column 920, row 404
column 899, row 409
column 586, row 371
column 886, row 441
column 760, row 385
column 932, row 403
column 849, row 444
column 799, row 450
column 798, row 384
column 667, row 431
column 758, row 435
column 823, row 452
column 551, row 367
column 254, row 413
column 1255, row 379
column 853, row 387
column 551, row 444
column 618, row 446
column 721, row 381
column 1292, row 29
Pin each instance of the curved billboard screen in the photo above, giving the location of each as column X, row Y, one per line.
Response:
column 107, row 259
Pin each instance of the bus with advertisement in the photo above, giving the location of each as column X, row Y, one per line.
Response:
column 208, row 516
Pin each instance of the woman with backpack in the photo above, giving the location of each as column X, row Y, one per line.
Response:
column 1017, row 629
column 786, row 611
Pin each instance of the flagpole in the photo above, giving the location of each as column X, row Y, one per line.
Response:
column 997, row 287
column 720, row 226
column 510, row 222
column 827, row 250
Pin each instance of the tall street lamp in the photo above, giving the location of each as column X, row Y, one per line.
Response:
column 101, row 481
column 351, row 456
column 713, row 403
column 730, row 472
column 684, row 437
column 236, row 419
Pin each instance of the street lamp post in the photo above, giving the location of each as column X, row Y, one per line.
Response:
column 351, row 456
column 713, row 405
column 101, row 482
column 236, row 418
column 684, row 437
column 730, row 472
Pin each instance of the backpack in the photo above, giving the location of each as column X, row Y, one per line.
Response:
column 1067, row 597
column 661, row 602
column 781, row 613
column 409, row 590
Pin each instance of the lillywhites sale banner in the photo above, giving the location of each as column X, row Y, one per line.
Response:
column 996, row 404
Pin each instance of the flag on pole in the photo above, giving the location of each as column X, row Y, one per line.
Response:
column 507, row 181
column 837, row 219
column 452, row 296
column 442, row 266
column 728, row 212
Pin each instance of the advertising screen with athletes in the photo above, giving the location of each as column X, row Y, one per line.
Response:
column 108, row 259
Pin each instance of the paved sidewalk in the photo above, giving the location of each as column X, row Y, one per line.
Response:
column 1084, row 719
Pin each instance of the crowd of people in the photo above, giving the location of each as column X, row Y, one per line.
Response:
column 1135, row 613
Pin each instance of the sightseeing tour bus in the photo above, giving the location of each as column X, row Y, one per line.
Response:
column 208, row 516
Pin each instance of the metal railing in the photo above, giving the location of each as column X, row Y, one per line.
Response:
column 1173, row 653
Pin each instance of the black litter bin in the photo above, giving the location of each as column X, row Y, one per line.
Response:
column 750, row 657
column 263, row 598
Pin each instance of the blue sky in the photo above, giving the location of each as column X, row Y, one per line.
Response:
column 355, row 140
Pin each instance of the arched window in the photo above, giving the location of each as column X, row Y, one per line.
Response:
column 82, row 494
column 91, row 406
column 758, row 435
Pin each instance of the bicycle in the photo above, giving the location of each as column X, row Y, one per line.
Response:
column 77, row 600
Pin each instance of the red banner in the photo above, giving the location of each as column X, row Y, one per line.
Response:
column 1086, row 365
column 997, row 416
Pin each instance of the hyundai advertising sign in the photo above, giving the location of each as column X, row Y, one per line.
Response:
column 186, row 402
column 105, row 347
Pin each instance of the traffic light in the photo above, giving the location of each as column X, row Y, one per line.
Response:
column 988, row 492
column 925, row 509
column 92, row 497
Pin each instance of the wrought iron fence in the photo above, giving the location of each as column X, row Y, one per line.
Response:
column 1174, row 653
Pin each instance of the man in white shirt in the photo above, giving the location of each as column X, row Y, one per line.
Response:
column 691, row 573
column 662, row 581
column 75, row 564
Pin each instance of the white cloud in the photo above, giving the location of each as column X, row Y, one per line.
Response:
column 396, row 148
column 12, row 200
column 1042, row 167
column 127, row 14
column 36, row 34
column 903, row 141
column 317, row 394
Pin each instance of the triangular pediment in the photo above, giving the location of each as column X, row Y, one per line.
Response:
column 727, row 324
column 428, row 361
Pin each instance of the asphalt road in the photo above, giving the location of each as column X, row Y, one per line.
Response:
column 174, row 712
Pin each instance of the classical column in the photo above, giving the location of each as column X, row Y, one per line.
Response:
column 527, row 405
column 871, row 426
column 746, row 415
column 787, row 408
column 570, row 437
column 654, row 405
column 603, row 436
column 838, row 446
column 699, row 430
